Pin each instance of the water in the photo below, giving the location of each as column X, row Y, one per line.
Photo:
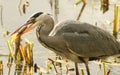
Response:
column 12, row 20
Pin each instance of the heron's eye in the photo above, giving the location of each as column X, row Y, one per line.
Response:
column 31, row 20
column 49, row 14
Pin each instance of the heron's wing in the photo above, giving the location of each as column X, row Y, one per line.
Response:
column 89, row 41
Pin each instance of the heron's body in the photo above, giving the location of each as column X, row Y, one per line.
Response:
column 79, row 42
column 75, row 40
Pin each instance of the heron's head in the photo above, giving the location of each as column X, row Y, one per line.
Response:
column 34, row 21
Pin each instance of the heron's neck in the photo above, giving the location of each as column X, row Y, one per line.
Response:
column 43, row 33
column 46, row 29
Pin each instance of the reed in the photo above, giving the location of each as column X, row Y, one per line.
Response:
column 27, row 55
column 20, row 54
column 1, row 15
column 10, row 48
column 116, row 21
column 82, row 72
column 53, row 63
column 104, row 69
column 78, row 2
column 1, row 67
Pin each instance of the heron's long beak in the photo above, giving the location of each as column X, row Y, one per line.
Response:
column 25, row 28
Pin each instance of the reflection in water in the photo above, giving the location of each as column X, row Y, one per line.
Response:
column 21, row 68
column 18, row 68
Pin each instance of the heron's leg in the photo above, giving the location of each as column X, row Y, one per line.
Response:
column 76, row 68
column 84, row 4
column 86, row 64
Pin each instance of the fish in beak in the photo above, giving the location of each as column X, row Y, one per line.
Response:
column 34, row 21
column 25, row 28
column 29, row 25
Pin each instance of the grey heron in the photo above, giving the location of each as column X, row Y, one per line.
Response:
column 79, row 42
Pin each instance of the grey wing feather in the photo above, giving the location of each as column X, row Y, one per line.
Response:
column 88, row 41
column 58, row 27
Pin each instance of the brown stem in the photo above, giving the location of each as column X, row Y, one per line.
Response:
column 84, row 4
column 76, row 67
